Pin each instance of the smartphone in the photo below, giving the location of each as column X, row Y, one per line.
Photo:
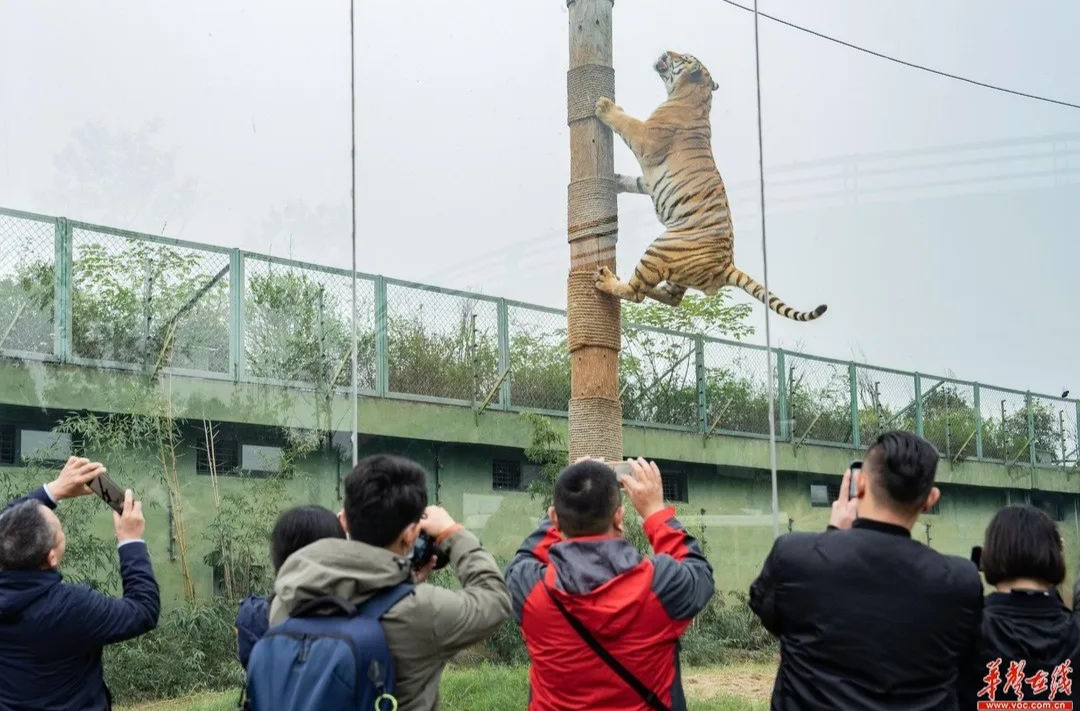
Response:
column 109, row 492
column 856, row 470
column 622, row 468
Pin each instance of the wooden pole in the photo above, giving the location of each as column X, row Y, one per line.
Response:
column 593, row 327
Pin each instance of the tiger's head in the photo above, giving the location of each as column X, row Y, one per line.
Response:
column 679, row 70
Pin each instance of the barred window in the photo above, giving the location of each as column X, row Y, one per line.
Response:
column 505, row 475
column 226, row 454
column 7, row 444
column 674, row 484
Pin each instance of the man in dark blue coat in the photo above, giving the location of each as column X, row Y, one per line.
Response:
column 52, row 633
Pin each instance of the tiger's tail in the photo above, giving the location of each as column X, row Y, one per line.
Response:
column 737, row 277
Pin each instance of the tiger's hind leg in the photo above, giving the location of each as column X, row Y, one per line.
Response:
column 667, row 293
column 644, row 281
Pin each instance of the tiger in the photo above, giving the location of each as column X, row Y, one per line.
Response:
column 674, row 149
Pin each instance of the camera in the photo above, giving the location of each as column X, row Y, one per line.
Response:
column 422, row 551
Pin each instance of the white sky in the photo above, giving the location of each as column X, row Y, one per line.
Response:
column 228, row 122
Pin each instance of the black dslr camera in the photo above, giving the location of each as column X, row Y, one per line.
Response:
column 422, row 551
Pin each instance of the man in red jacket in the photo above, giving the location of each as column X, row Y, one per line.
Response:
column 602, row 623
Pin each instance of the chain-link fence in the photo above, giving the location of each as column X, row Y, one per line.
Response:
column 658, row 377
column 147, row 303
column 297, row 324
column 440, row 344
column 27, row 284
column 539, row 362
column 1054, row 422
column 1004, row 425
column 736, row 389
column 886, row 401
column 150, row 303
column 818, row 394
column 950, row 420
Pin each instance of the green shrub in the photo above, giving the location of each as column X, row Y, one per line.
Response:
column 192, row 650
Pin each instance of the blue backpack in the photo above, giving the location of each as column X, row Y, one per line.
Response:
column 326, row 663
column 252, row 621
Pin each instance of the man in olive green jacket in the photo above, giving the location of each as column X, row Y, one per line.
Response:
column 384, row 513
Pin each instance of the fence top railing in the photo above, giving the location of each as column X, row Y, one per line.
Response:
column 256, row 256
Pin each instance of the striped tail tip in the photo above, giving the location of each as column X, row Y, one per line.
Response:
column 818, row 312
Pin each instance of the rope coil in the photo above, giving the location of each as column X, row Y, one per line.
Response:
column 584, row 85
column 596, row 429
column 592, row 316
column 592, row 209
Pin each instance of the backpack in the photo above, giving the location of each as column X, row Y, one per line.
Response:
column 252, row 621
column 326, row 663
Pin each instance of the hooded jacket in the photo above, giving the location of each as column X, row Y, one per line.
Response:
column 52, row 633
column 426, row 628
column 1030, row 628
column 635, row 607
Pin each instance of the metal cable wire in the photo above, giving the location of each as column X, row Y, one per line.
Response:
column 765, row 281
column 352, row 196
column 904, row 62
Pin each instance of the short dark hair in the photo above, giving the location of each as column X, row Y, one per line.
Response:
column 586, row 498
column 25, row 537
column 902, row 465
column 301, row 526
column 1022, row 542
column 383, row 495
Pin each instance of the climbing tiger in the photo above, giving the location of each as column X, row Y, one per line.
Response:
column 678, row 169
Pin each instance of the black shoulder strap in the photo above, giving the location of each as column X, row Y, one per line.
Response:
column 649, row 697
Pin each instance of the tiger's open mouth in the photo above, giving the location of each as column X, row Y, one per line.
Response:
column 662, row 64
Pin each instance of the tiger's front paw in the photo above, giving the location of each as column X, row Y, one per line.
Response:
column 605, row 106
column 605, row 279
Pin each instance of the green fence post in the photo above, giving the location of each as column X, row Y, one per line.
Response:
column 699, row 371
column 1031, row 429
column 382, row 372
column 782, row 396
column 62, row 291
column 919, row 429
column 978, row 423
column 504, row 354
column 853, row 380
column 1077, row 442
column 237, row 366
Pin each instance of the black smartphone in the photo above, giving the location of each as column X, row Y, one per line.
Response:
column 109, row 492
column 856, row 471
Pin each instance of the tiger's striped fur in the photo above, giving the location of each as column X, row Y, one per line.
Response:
column 674, row 149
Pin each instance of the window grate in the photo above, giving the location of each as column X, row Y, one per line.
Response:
column 7, row 444
column 674, row 484
column 505, row 475
column 226, row 455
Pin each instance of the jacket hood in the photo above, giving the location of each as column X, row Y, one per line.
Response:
column 601, row 581
column 334, row 567
column 20, row 588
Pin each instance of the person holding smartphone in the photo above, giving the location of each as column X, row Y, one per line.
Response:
column 869, row 618
column 52, row 633
column 602, row 622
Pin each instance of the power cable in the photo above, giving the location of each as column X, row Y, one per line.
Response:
column 904, row 62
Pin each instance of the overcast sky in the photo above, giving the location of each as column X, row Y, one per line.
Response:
column 937, row 219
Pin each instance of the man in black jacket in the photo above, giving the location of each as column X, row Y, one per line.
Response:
column 52, row 634
column 867, row 617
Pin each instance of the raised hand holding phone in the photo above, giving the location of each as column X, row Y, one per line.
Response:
column 74, row 479
column 843, row 509
column 643, row 484
column 129, row 523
